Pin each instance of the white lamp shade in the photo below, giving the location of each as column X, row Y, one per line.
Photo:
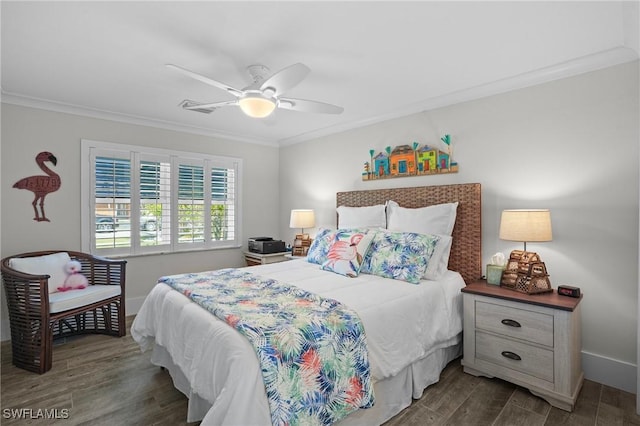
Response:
column 256, row 106
column 302, row 218
column 526, row 225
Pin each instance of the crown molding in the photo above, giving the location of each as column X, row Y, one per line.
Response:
column 31, row 102
column 593, row 62
column 588, row 63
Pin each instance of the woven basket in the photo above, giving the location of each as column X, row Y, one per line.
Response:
column 526, row 273
column 532, row 285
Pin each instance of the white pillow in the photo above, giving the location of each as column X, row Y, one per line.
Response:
column 362, row 217
column 50, row 264
column 439, row 262
column 437, row 219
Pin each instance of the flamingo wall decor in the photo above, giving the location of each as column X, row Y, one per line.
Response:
column 41, row 185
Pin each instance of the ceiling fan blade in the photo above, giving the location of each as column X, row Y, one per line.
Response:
column 286, row 78
column 235, row 92
column 304, row 105
column 187, row 104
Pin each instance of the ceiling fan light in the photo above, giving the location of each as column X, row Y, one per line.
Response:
column 257, row 106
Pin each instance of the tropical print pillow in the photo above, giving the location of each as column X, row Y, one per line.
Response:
column 320, row 246
column 399, row 255
column 347, row 252
column 322, row 243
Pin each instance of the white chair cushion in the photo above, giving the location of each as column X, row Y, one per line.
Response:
column 50, row 264
column 65, row 300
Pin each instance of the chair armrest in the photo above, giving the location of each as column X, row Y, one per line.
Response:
column 25, row 293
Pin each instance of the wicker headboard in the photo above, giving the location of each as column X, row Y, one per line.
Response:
column 466, row 256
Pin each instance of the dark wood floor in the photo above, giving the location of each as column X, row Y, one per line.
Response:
column 102, row 380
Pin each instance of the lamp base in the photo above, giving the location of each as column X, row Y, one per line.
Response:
column 526, row 273
column 301, row 245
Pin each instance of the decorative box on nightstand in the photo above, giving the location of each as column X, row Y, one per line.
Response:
column 530, row 340
column 253, row 259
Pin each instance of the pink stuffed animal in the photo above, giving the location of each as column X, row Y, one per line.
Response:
column 75, row 280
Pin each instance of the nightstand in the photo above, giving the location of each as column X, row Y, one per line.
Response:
column 530, row 340
column 253, row 259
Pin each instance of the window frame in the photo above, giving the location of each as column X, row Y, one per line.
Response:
column 90, row 149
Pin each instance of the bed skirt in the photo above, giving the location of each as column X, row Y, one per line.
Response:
column 392, row 394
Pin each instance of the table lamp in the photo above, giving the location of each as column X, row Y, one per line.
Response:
column 525, row 271
column 302, row 218
column 532, row 225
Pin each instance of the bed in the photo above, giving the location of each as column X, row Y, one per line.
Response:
column 412, row 331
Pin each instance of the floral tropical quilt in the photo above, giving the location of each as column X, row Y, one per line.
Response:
column 312, row 350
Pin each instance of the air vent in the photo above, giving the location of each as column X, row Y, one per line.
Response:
column 186, row 104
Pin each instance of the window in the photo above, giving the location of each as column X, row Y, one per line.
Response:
column 138, row 200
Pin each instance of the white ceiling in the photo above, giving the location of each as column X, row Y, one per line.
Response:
column 378, row 60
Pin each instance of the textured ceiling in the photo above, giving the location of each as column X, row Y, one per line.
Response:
column 378, row 60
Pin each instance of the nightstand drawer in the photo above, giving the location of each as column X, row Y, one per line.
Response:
column 534, row 361
column 521, row 324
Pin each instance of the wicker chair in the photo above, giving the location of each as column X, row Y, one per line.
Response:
column 34, row 327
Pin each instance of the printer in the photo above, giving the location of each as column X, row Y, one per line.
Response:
column 266, row 245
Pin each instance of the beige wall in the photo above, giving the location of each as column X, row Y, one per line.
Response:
column 569, row 145
column 27, row 131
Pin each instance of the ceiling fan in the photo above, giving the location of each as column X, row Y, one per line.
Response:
column 264, row 95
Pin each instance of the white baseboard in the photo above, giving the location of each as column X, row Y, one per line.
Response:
column 611, row 372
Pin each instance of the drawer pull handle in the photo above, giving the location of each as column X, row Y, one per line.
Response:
column 511, row 323
column 511, row 355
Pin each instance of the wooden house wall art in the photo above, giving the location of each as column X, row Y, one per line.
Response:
column 409, row 160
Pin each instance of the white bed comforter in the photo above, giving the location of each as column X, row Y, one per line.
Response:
column 403, row 323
